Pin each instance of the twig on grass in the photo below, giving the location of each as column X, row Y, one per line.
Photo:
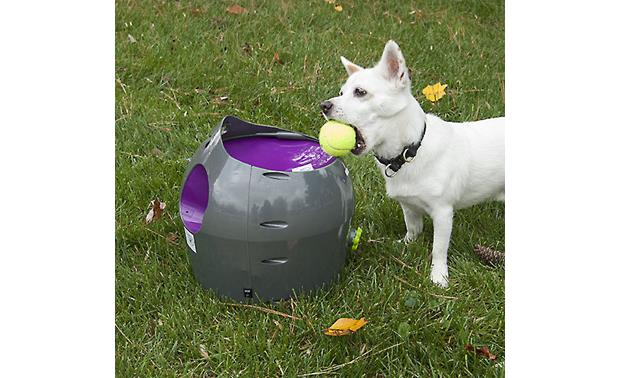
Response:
column 162, row 236
column 401, row 262
column 443, row 296
column 405, row 282
column 263, row 309
column 380, row 240
column 171, row 98
column 132, row 155
column 331, row 369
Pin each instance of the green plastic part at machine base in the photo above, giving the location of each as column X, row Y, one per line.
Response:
column 356, row 239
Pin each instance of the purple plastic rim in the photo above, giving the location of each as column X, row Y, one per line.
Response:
column 195, row 198
column 288, row 155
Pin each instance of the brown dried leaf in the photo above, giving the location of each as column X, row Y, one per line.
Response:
column 483, row 351
column 172, row 238
column 276, row 57
column 198, row 11
column 157, row 208
column 156, row 151
column 236, row 9
column 203, row 351
column 248, row 48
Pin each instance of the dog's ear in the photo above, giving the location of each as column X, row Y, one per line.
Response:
column 350, row 66
column 392, row 65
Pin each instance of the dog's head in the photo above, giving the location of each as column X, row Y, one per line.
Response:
column 371, row 97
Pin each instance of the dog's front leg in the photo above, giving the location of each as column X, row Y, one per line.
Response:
column 442, row 228
column 414, row 221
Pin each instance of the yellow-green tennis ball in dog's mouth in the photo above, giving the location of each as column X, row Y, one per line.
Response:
column 337, row 139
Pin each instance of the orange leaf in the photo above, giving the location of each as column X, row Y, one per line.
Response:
column 484, row 351
column 236, row 9
column 276, row 57
column 345, row 326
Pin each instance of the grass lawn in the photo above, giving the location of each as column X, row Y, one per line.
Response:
column 181, row 58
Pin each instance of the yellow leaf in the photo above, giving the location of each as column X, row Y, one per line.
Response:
column 330, row 1
column 338, row 8
column 345, row 326
column 434, row 92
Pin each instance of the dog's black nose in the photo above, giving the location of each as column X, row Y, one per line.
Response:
column 326, row 106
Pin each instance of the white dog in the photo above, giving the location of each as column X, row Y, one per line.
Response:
column 457, row 164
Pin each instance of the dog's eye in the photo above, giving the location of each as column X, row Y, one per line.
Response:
column 340, row 93
column 359, row 92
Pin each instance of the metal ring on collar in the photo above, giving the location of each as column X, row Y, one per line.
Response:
column 405, row 155
column 387, row 167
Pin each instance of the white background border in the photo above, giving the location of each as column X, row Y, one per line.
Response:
column 57, row 151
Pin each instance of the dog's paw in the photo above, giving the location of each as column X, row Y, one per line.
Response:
column 439, row 275
column 409, row 237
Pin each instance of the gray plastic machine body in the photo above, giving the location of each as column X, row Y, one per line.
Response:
column 266, row 212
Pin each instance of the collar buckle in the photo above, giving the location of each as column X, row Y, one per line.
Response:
column 406, row 158
column 388, row 168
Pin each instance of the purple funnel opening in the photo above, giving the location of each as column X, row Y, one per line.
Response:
column 194, row 198
column 278, row 154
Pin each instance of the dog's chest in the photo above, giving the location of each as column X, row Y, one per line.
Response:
column 411, row 190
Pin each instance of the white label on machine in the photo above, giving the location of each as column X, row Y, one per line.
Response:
column 190, row 240
column 303, row 168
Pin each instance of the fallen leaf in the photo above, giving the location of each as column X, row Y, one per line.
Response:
column 157, row 208
column 203, row 351
column 172, row 238
column 330, row 1
column 236, row 9
column 276, row 57
column 484, row 351
column 131, row 38
column 434, row 92
column 345, row 326
column 248, row 48
column 156, row 151
column 198, row 11
column 338, row 8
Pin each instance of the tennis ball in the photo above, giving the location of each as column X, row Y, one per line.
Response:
column 337, row 139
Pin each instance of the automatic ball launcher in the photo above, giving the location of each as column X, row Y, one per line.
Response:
column 267, row 211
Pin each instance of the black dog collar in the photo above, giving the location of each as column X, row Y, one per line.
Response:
column 409, row 152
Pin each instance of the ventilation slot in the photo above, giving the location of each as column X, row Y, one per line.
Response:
column 274, row 224
column 275, row 261
column 276, row 175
